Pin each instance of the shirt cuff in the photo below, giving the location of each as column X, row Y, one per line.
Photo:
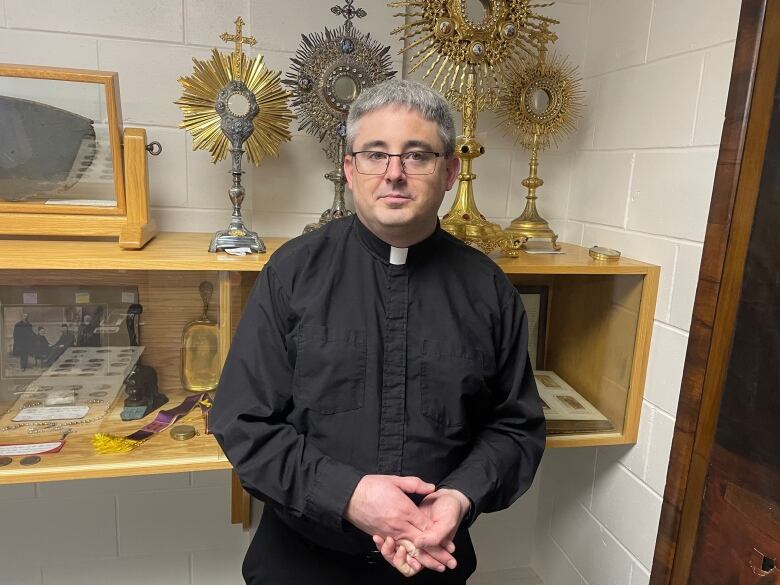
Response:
column 333, row 487
column 472, row 483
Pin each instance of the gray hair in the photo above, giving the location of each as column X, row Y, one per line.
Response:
column 402, row 92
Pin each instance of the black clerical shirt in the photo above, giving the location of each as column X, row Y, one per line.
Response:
column 344, row 364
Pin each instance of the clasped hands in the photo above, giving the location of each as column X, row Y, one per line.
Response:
column 408, row 536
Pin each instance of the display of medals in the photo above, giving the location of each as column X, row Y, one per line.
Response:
column 329, row 71
column 77, row 390
column 229, row 102
column 467, row 44
column 200, row 364
column 540, row 102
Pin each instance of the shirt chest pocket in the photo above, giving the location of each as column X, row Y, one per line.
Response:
column 453, row 390
column 330, row 369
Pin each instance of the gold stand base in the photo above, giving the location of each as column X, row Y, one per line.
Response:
column 521, row 230
column 530, row 224
column 473, row 230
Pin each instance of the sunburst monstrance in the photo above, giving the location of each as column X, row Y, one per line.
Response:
column 210, row 77
column 466, row 45
column 228, row 102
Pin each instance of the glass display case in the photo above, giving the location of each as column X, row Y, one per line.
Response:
column 590, row 325
column 106, row 353
column 100, row 343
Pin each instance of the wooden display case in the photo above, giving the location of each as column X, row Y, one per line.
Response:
column 599, row 319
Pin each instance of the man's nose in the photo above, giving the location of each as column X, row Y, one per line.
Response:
column 395, row 169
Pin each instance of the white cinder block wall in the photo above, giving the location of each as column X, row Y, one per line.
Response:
column 657, row 74
column 656, row 79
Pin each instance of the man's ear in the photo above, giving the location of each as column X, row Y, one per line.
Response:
column 453, row 168
column 349, row 168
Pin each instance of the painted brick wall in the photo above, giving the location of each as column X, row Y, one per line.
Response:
column 175, row 529
column 656, row 81
column 657, row 75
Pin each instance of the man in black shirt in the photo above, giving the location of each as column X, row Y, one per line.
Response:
column 65, row 340
column 378, row 394
column 24, row 340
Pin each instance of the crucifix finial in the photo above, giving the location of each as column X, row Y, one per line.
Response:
column 348, row 12
column 238, row 40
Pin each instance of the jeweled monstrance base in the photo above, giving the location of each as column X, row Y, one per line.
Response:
column 339, row 207
column 464, row 220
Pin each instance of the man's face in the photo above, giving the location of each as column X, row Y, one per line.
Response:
column 395, row 202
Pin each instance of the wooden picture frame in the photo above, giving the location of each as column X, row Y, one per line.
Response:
column 536, row 299
column 128, row 218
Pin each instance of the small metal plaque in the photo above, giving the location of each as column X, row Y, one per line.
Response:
column 5, row 461
column 30, row 460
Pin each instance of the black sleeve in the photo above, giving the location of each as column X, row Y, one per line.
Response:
column 503, row 461
column 273, row 461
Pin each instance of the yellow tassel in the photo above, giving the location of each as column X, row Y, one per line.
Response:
column 111, row 444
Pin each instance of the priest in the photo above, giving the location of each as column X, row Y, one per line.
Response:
column 378, row 394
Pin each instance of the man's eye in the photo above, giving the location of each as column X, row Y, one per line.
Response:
column 376, row 155
column 414, row 156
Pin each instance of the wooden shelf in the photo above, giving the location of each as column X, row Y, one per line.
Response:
column 574, row 260
column 600, row 318
column 78, row 459
column 167, row 251
column 189, row 251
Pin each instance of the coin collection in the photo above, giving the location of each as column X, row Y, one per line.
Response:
column 81, row 376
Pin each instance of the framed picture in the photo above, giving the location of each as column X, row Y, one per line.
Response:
column 34, row 336
column 535, row 299
column 39, row 323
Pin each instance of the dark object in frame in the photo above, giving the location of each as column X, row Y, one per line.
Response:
column 543, row 292
column 143, row 394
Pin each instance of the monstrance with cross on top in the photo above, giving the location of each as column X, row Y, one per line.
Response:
column 328, row 73
column 230, row 103
column 466, row 45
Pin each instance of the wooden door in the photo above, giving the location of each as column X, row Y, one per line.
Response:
column 720, row 521
column 738, row 538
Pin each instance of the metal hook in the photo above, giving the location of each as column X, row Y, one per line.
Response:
column 154, row 148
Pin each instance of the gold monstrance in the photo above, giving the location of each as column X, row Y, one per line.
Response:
column 468, row 43
column 540, row 102
column 228, row 102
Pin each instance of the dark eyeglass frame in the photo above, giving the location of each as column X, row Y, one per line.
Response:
column 400, row 156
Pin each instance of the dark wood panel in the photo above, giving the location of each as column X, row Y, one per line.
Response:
column 739, row 543
column 738, row 538
column 678, row 522
column 750, row 407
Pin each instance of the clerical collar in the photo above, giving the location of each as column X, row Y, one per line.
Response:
column 398, row 255
column 384, row 251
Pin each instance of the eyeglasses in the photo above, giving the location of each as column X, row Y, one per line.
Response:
column 376, row 162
